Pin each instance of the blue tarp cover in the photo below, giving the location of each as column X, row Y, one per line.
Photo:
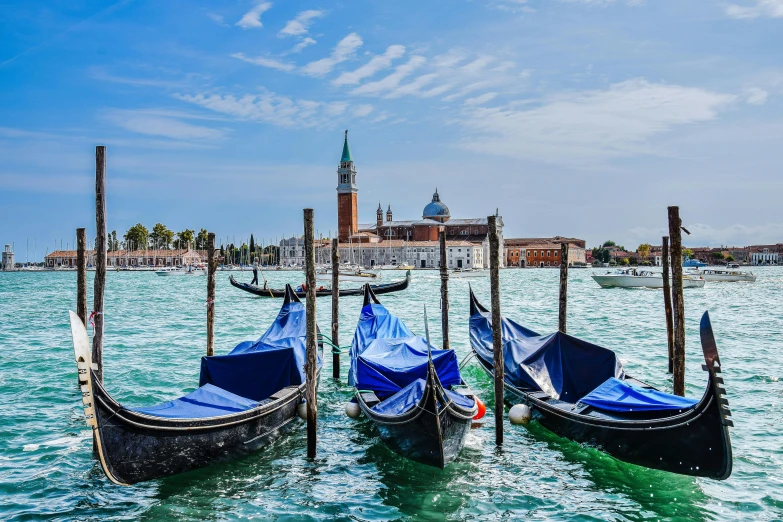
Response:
column 206, row 401
column 409, row 397
column 616, row 395
column 565, row 367
column 375, row 322
column 388, row 365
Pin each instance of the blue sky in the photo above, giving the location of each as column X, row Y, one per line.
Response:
column 573, row 117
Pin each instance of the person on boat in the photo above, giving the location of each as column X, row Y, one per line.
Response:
column 255, row 273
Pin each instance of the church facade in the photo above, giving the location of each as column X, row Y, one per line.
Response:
column 402, row 242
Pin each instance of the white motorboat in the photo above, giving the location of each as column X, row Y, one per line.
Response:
column 174, row 271
column 347, row 275
column 467, row 272
column 634, row 278
column 726, row 275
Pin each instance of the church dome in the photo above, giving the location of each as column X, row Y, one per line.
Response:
column 436, row 209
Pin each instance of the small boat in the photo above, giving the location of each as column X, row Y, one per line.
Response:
column 346, row 275
column 245, row 400
column 726, row 275
column 693, row 263
column 175, row 271
column 580, row 391
column 461, row 273
column 413, row 393
column 404, row 267
column 633, row 278
column 263, row 291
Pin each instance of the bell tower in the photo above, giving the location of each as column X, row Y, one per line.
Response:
column 347, row 204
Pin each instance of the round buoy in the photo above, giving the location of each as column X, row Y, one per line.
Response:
column 482, row 409
column 353, row 410
column 520, row 414
column 301, row 410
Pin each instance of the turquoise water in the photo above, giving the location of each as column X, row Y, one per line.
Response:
column 155, row 336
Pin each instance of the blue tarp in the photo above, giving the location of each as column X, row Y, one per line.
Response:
column 375, row 322
column 565, row 367
column 387, row 365
column 206, row 401
column 408, row 397
column 616, row 395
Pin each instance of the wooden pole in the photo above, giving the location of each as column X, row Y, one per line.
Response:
column 310, row 393
column 561, row 318
column 497, row 341
column 678, row 366
column 100, row 258
column 81, row 276
column 444, row 289
column 335, row 307
column 667, row 301
column 211, row 267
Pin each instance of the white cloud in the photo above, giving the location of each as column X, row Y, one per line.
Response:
column 755, row 96
column 301, row 24
column 344, row 50
column 590, row 126
column 360, row 111
column 307, row 41
column 158, row 124
column 218, row 19
column 759, row 8
column 478, row 64
column 393, row 80
column 252, row 18
column 264, row 62
column 367, row 70
column 479, row 100
column 414, row 87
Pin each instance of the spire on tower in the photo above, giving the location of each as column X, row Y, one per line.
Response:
column 346, row 157
column 380, row 209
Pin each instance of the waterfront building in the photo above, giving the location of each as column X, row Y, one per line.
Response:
column 765, row 256
column 540, row 251
column 129, row 258
column 8, row 259
column 397, row 242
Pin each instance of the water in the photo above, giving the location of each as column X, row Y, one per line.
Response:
column 155, row 336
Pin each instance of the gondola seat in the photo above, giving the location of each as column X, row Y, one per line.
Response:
column 620, row 396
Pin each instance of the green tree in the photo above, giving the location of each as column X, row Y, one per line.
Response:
column 185, row 238
column 252, row 248
column 687, row 252
column 202, row 240
column 643, row 250
column 730, row 259
column 161, row 236
column 718, row 256
column 136, row 237
column 625, row 261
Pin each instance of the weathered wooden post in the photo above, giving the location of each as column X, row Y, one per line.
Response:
column 310, row 366
column 81, row 276
column 100, row 258
column 211, row 267
column 497, row 341
column 561, row 318
column 335, row 308
column 667, row 300
column 444, row 289
column 678, row 366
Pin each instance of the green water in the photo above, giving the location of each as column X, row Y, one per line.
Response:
column 155, row 336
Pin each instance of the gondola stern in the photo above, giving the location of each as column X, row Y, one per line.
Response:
column 369, row 296
column 475, row 306
column 290, row 296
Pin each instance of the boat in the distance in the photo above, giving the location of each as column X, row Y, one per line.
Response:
column 463, row 273
column 718, row 274
column 266, row 291
column 346, row 275
column 580, row 391
column 693, row 263
column 413, row 393
column 634, row 278
column 245, row 400
column 178, row 271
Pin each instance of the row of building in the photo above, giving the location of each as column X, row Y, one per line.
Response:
column 757, row 255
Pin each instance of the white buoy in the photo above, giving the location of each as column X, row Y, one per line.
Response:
column 520, row 414
column 301, row 410
column 353, row 410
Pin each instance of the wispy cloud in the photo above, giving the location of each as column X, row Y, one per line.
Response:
column 377, row 63
column 592, row 126
column 307, row 41
column 482, row 99
column 301, row 23
column 218, row 19
column 755, row 96
column 344, row 50
column 393, row 80
column 152, row 123
column 756, row 9
column 252, row 18
column 362, row 110
column 264, row 62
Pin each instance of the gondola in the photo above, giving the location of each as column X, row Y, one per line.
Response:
column 413, row 394
column 245, row 400
column 385, row 288
column 580, row 391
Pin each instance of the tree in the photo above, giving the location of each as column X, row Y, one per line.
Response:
column 252, row 248
column 718, row 256
column 185, row 238
column 609, row 243
column 643, row 250
column 625, row 261
column 161, row 236
column 730, row 259
column 202, row 240
column 136, row 236
column 687, row 252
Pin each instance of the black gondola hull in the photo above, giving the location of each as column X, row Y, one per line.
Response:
column 385, row 288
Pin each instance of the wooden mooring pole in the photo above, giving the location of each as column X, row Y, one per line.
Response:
column 444, row 289
column 667, row 300
column 100, row 258
column 497, row 341
column 335, row 308
column 211, row 267
column 678, row 366
column 81, row 275
column 310, row 366
column 561, row 317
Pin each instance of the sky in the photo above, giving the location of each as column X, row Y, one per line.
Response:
column 581, row 118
